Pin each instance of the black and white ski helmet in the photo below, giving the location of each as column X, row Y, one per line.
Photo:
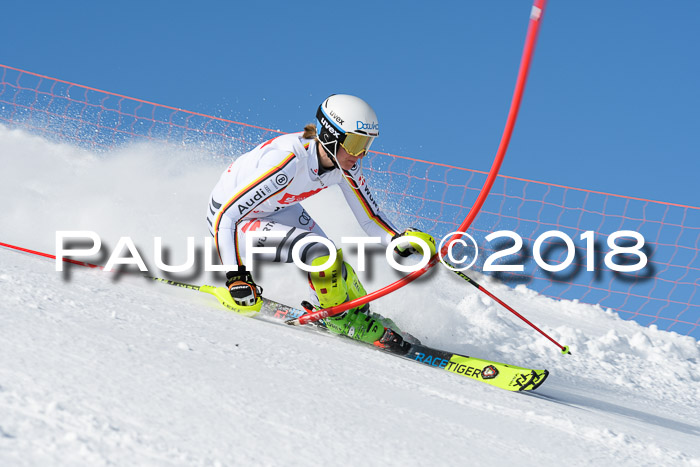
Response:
column 347, row 121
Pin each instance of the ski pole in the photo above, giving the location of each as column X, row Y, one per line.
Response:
column 221, row 293
column 314, row 316
column 564, row 348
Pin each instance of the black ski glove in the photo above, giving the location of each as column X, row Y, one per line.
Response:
column 242, row 287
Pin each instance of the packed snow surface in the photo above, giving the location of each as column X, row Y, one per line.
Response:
column 101, row 368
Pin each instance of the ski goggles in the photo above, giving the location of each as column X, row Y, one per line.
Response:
column 356, row 145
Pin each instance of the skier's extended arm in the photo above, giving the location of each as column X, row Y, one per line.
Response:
column 361, row 200
column 365, row 208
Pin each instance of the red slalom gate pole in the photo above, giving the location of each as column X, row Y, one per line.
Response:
column 530, row 41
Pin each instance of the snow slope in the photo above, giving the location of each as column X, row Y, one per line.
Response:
column 99, row 368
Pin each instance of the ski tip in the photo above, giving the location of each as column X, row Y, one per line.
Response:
column 565, row 350
column 534, row 380
column 541, row 379
column 292, row 322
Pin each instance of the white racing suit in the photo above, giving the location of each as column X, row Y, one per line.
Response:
column 261, row 190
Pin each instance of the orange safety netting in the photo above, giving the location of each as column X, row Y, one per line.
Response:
column 433, row 197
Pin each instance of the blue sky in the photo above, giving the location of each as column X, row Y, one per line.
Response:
column 611, row 103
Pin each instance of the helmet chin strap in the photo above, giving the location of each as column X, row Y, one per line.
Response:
column 354, row 184
column 330, row 153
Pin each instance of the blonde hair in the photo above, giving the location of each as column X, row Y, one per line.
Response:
column 309, row 131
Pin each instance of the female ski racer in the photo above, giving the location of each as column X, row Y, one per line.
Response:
column 261, row 191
